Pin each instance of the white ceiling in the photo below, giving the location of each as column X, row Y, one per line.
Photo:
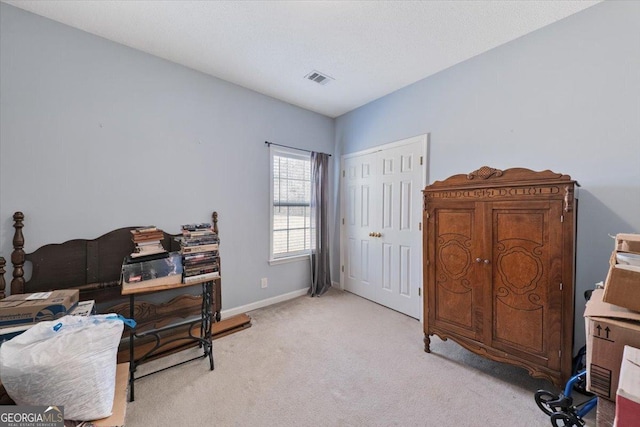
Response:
column 370, row 48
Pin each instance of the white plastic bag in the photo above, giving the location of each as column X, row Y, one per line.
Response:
column 70, row 361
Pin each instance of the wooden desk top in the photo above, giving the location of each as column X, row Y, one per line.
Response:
column 156, row 285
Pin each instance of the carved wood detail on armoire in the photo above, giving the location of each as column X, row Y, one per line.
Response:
column 499, row 262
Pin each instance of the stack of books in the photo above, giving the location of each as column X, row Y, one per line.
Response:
column 147, row 241
column 199, row 248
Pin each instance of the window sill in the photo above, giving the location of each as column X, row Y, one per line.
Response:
column 286, row 260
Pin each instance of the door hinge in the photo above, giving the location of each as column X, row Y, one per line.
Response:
column 560, row 285
column 561, row 218
column 427, row 215
column 342, row 268
column 420, row 226
column 420, row 160
column 559, row 354
column 419, row 292
column 343, row 174
column 342, row 221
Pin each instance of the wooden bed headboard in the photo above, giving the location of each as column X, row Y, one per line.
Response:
column 94, row 267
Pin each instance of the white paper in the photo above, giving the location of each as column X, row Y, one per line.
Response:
column 39, row 295
column 635, row 268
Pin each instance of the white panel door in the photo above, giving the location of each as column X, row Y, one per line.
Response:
column 381, row 234
column 360, row 256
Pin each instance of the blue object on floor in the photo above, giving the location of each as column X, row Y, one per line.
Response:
column 561, row 409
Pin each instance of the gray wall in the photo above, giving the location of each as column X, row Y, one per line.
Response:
column 96, row 136
column 565, row 98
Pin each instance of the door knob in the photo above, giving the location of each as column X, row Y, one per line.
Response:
column 371, row 234
column 378, row 234
column 478, row 259
column 486, row 261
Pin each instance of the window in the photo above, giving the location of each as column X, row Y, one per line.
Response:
column 290, row 211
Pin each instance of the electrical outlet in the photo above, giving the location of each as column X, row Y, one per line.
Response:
column 264, row 282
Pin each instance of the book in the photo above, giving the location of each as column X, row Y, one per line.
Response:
column 198, row 233
column 149, row 243
column 145, row 237
column 193, row 266
column 201, row 273
column 207, row 257
column 200, row 248
column 145, row 229
column 201, row 240
column 148, row 248
column 196, row 227
column 201, row 277
column 200, row 270
column 201, row 255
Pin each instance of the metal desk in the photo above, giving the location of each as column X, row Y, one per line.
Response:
column 205, row 321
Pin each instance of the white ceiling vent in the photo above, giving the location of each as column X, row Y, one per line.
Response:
column 318, row 77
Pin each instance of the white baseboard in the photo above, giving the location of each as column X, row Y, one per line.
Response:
column 264, row 303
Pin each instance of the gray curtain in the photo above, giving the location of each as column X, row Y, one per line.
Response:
column 320, row 274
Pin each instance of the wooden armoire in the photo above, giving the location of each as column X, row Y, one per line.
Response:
column 499, row 261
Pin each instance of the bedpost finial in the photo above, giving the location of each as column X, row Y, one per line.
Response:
column 3, row 284
column 214, row 219
column 18, row 217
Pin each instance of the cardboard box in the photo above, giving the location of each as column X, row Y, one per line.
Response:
column 609, row 328
column 628, row 243
column 22, row 309
column 119, row 413
column 622, row 286
column 628, row 399
column 83, row 308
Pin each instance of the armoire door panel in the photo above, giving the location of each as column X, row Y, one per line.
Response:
column 525, row 273
column 509, row 329
column 456, row 289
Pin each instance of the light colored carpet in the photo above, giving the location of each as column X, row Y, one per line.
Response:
column 337, row 360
